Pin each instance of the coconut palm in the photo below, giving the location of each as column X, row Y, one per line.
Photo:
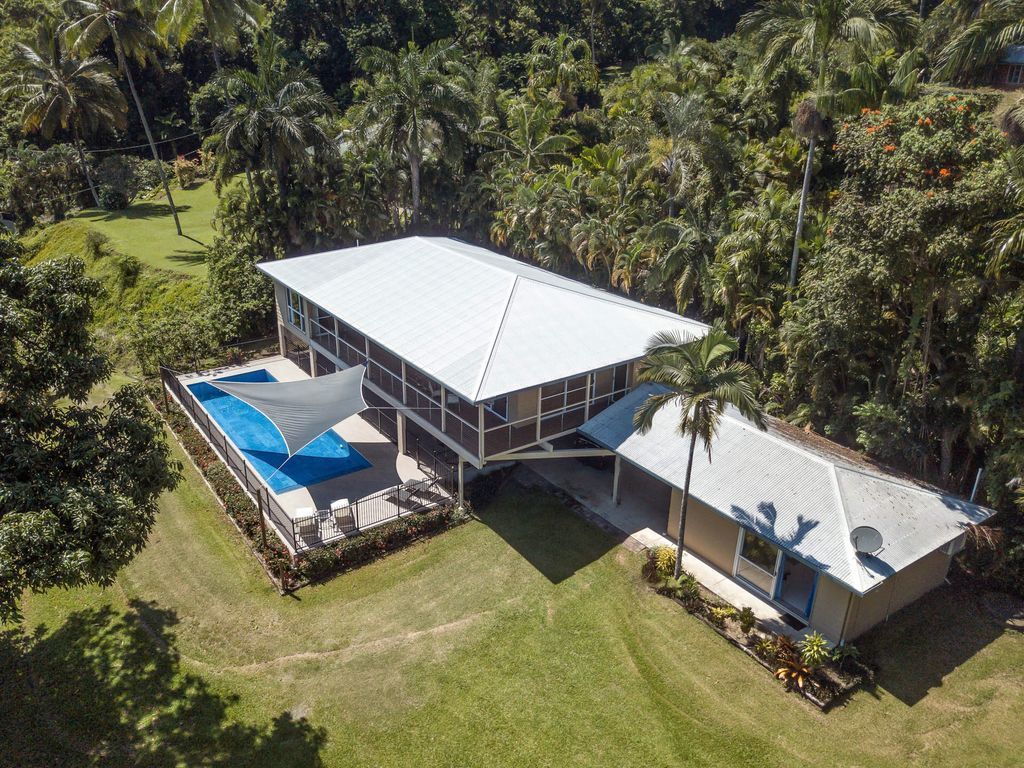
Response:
column 562, row 66
column 63, row 93
column 272, row 120
column 125, row 24
column 180, row 20
column 995, row 25
column 417, row 103
column 827, row 36
column 698, row 377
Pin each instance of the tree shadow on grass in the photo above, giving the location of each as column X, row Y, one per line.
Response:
column 145, row 209
column 923, row 643
column 538, row 526
column 107, row 688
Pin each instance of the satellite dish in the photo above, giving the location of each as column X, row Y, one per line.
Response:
column 866, row 540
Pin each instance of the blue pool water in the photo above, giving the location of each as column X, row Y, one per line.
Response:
column 256, row 436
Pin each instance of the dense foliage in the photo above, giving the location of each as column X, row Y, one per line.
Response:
column 802, row 170
column 78, row 483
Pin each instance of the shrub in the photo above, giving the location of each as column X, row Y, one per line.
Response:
column 665, row 561
column 747, row 619
column 765, row 648
column 793, row 672
column 719, row 614
column 844, row 653
column 814, row 649
column 112, row 199
column 185, row 171
column 685, row 588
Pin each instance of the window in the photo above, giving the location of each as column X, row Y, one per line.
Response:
column 563, row 395
column 296, row 313
column 1015, row 74
column 757, row 562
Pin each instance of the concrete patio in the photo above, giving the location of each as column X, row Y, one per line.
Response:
column 388, row 468
column 641, row 520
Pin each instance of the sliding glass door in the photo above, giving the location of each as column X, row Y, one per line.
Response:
column 758, row 562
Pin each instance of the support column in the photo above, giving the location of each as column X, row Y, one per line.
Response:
column 312, row 362
column 401, row 431
column 462, row 482
column 615, row 479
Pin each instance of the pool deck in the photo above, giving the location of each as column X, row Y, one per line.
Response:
column 387, row 469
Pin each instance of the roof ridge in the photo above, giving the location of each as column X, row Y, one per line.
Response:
column 780, row 440
column 497, row 337
column 856, row 566
column 591, row 292
column 910, row 486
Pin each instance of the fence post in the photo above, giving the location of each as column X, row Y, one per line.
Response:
column 263, row 523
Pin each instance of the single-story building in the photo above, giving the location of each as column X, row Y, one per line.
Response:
column 496, row 360
column 829, row 537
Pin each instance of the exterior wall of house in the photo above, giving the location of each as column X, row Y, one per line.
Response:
column 831, row 601
column 475, row 432
column 709, row 535
column 897, row 592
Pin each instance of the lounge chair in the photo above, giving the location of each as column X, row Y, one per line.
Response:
column 307, row 524
column 343, row 517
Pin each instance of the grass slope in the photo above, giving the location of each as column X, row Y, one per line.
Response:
column 523, row 639
column 146, row 230
column 131, row 289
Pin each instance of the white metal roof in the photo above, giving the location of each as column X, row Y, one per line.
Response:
column 796, row 493
column 480, row 323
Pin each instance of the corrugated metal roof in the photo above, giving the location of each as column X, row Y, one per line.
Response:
column 480, row 323
column 807, row 501
column 1014, row 54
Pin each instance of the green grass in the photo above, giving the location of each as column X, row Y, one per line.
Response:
column 146, row 230
column 524, row 638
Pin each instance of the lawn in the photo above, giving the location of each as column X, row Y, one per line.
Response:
column 146, row 230
column 522, row 638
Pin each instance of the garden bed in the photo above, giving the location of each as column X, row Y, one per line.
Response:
column 823, row 675
column 288, row 572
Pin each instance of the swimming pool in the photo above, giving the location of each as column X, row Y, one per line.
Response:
column 256, row 436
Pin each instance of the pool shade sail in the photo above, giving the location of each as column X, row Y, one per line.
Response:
column 303, row 410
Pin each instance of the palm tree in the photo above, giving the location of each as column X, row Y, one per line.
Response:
column 180, row 20
column 63, row 93
column 562, row 65
column 699, row 378
column 124, row 23
column 698, row 159
column 1007, row 240
column 528, row 143
column 826, row 35
column 995, row 25
column 272, row 118
column 417, row 102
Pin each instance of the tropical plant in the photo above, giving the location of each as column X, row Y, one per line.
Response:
column 272, row 118
column 995, row 25
column 1007, row 241
column 416, row 103
column 698, row 377
column 527, row 143
column 827, row 35
column 224, row 20
column 814, row 649
column 560, row 68
column 745, row 616
column 844, row 653
column 62, row 93
column 720, row 614
column 794, row 672
column 683, row 587
column 127, row 26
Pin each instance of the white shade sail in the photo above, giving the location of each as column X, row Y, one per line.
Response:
column 303, row 410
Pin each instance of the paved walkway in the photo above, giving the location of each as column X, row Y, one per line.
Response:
column 641, row 525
